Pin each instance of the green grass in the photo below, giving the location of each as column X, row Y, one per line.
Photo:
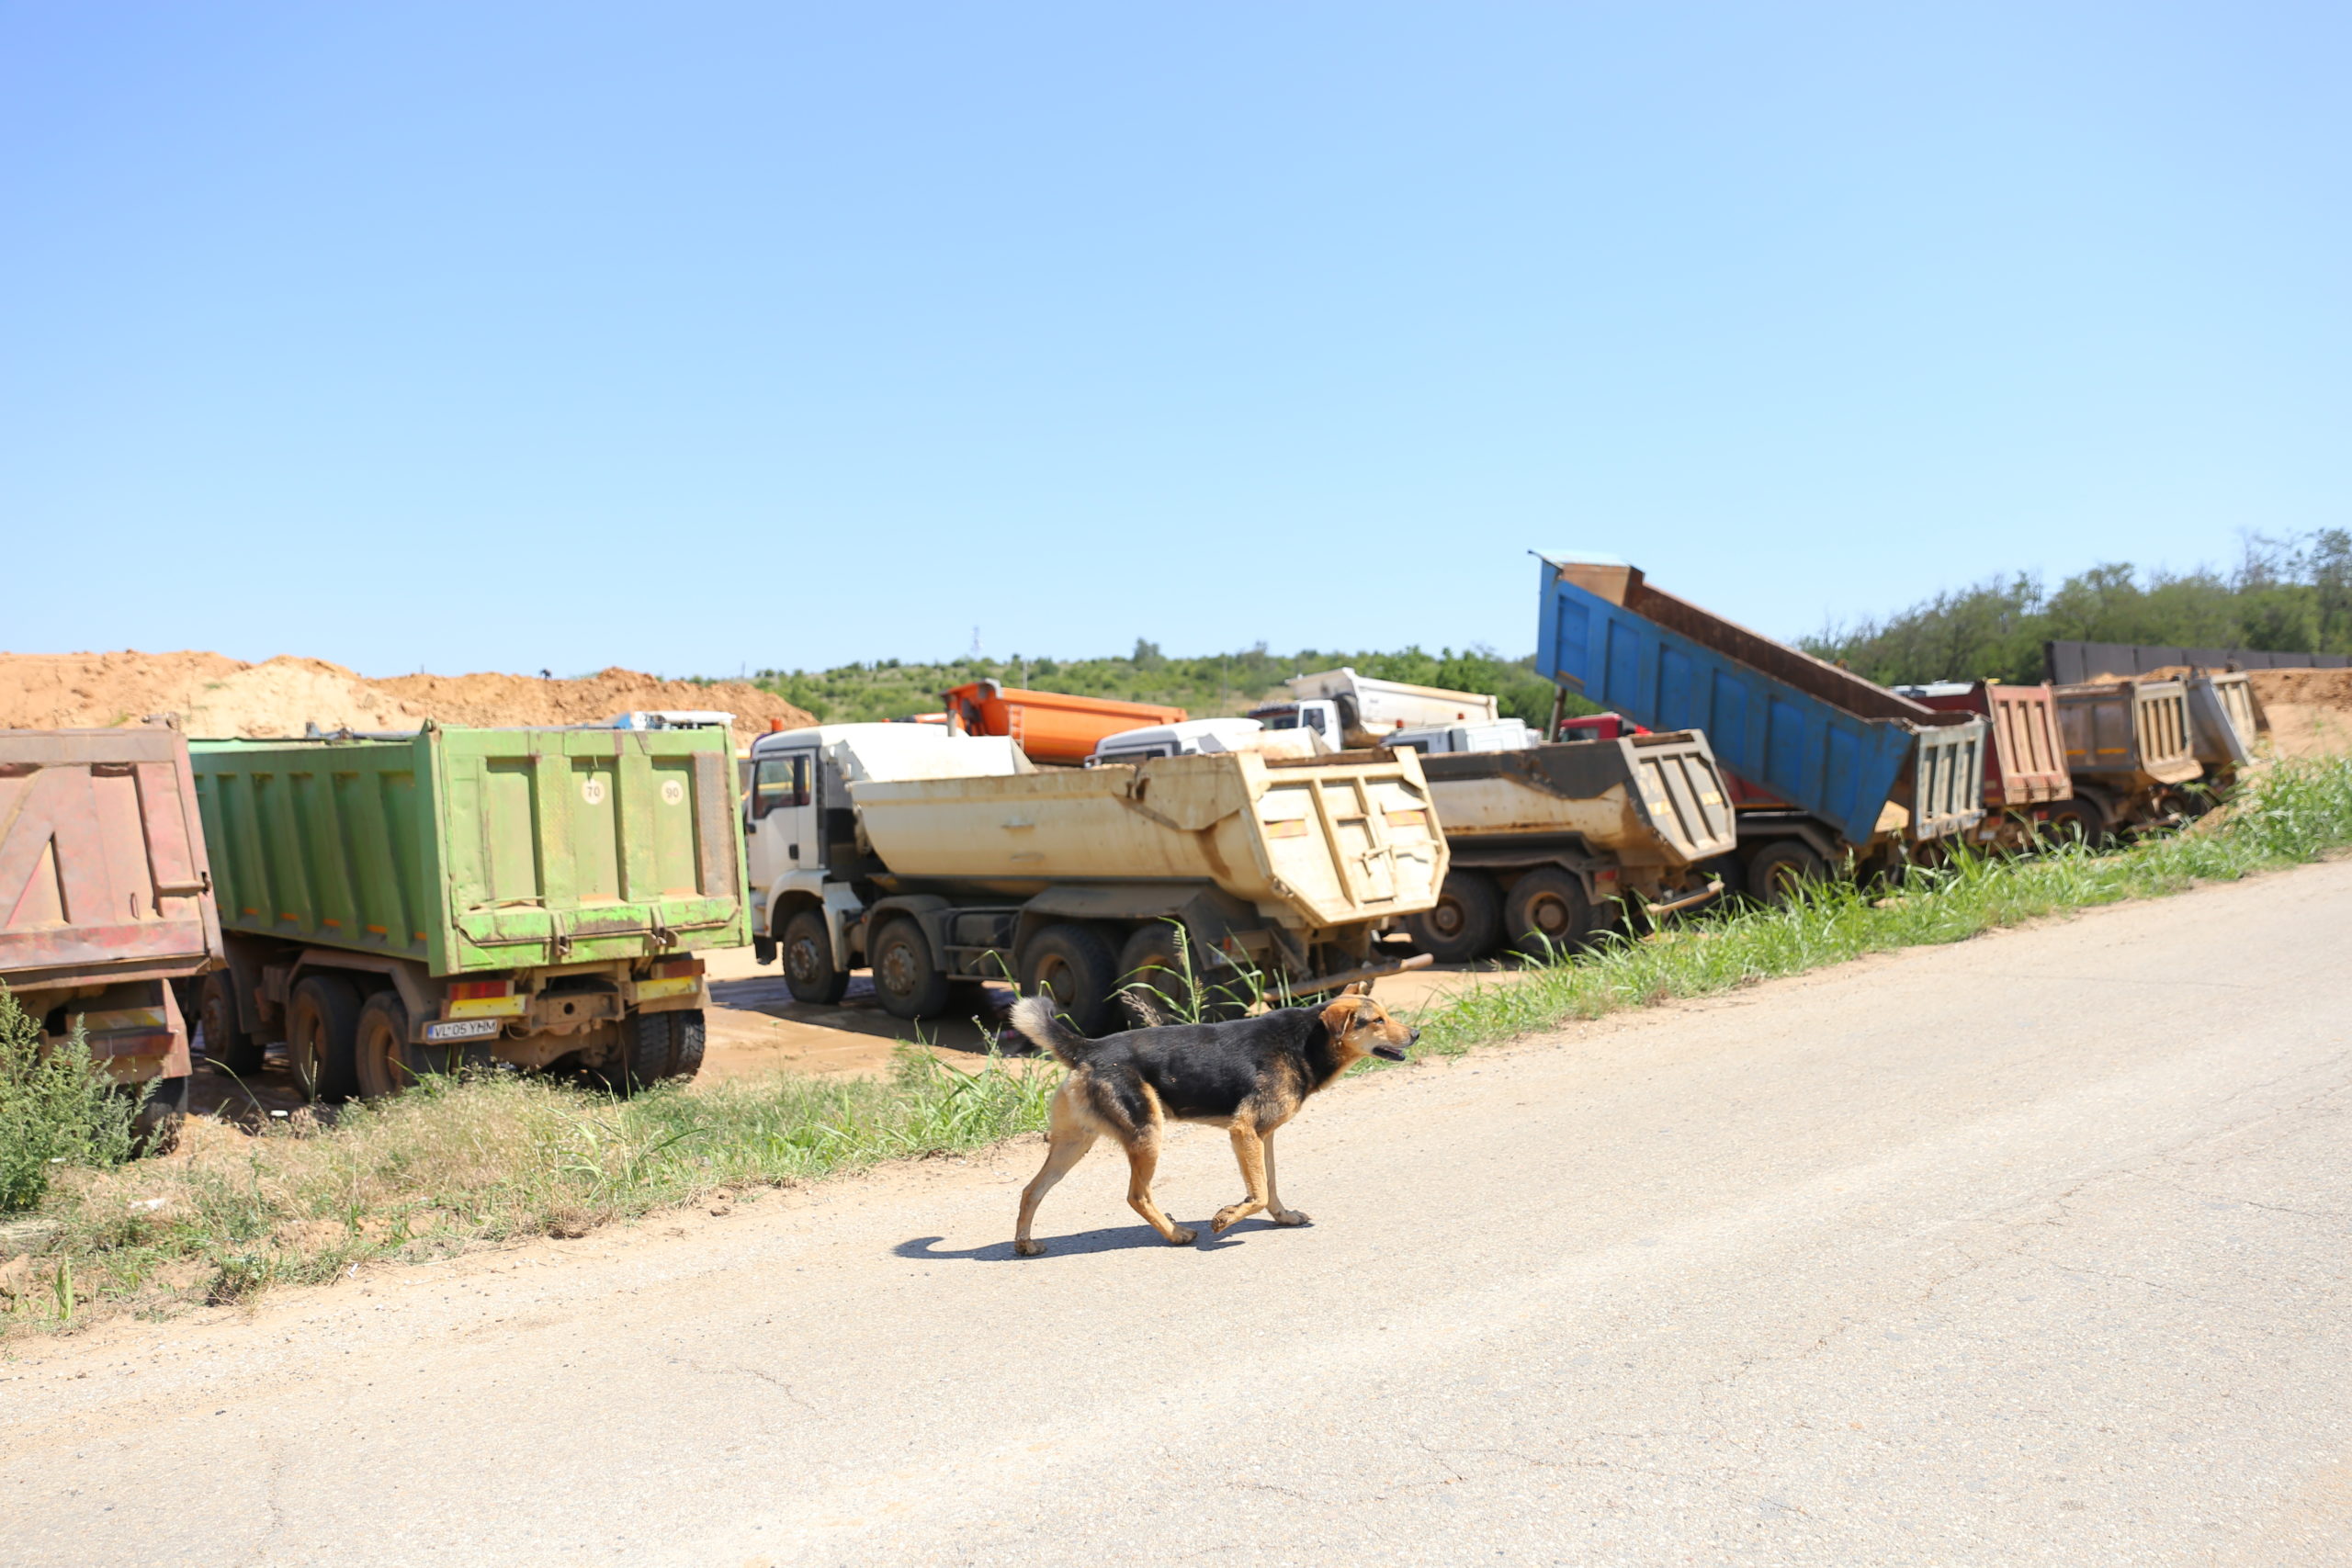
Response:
column 2293, row 814
column 461, row 1165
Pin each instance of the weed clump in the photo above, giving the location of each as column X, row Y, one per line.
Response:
column 58, row 1109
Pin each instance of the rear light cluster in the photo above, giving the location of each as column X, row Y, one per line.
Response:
column 475, row 990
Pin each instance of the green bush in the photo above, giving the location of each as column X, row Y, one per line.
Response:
column 56, row 1109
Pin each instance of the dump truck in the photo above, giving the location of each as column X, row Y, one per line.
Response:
column 1052, row 728
column 2024, row 757
column 2130, row 748
column 106, row 901
column 2224, row 719
column 1553, row 844
column 939, row 868
column 1352, row 710
column 1829, row 772
column 401, row 905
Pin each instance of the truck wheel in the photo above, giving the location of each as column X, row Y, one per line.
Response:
column 688, row 1037
column 1466, row 923
column 1778, row 872
column 808, row 967
column 2077, row 819
column 1154, row 960
column 383, row 1060
column 225, row 1041
column 1548, row 912
column 1075, row 966
column 908, row 982
column 322, row 1034
column 157, row 1129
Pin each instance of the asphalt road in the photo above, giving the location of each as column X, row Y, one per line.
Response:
column 2029, row 1250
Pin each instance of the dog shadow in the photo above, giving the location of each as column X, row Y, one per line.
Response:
column 1110, row 1238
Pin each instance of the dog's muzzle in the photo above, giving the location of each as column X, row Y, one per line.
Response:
column 1388, row 1053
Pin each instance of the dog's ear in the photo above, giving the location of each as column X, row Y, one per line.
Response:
column 1361, row 988
column 1341, row 1015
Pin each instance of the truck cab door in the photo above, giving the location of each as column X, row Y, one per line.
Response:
column 784, row 815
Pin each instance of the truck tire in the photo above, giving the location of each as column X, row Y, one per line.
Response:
column 1779, row 870
column 157, row 1129
column 1075, row 966
column 907, row 980
column 322, row 1033
column 226, row 1043
column 687, row 1036
column 2067, row 821
column 810, row 971
column 1466, row 923
column 1156, row 961
column 654, row 1048
column 383, row 1060
column 1548, row 912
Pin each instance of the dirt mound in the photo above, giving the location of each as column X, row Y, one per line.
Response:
column 2308, row 712
column 521, row 699
column 218, row 695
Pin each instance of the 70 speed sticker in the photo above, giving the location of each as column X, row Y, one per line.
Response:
column 462, row 1029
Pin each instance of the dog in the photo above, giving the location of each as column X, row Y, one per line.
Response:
column 1250, row 1075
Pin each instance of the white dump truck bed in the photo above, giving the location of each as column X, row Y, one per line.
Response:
column 1313, row 844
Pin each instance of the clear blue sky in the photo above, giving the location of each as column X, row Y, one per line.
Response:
column 693, row 336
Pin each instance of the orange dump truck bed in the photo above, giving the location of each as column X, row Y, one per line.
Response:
column 1050, row 727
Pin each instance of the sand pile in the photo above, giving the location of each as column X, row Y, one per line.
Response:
column 217, row 695
column 524, row 699
column 2308, row 712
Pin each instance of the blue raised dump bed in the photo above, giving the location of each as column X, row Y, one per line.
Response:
column 1821, row 738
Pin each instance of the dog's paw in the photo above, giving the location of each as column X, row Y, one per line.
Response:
column 1224, row 1218
column 1290, row 1217
column 1030, row 1248
column 1181, row 1237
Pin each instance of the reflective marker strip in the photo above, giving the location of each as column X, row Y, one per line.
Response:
column 652, row 990
column 487, row 1007
column 1294, row 828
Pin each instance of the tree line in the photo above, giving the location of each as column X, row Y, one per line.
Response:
column 2291, row 595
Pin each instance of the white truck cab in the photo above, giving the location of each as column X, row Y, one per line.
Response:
column 1348, row 710
column 1189, row 738
column 798, row 819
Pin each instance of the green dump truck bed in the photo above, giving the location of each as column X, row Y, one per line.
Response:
column 479, row 850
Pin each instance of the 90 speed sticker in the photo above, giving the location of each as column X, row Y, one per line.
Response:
column 462, row 1029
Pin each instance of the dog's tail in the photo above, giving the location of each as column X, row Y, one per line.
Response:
column 1044, row 1028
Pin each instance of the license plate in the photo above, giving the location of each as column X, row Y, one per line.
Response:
column 462, row 1029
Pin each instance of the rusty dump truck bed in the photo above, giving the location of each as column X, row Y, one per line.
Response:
column 1646, row 800
column 2128, row 735
column 102, row 868
column 2025, row 765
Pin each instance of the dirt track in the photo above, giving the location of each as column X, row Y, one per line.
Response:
column 2029, row 1249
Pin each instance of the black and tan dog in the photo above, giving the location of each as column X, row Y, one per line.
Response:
column 1250, row 1075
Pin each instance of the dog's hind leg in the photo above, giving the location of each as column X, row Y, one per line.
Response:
column 1143, row 1160
column 1067, row 1145
column 1274, row 1210
column 1249, row 1151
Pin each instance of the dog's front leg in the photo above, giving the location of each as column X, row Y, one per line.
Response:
column 1274, row 1210
column 1249, row 1151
